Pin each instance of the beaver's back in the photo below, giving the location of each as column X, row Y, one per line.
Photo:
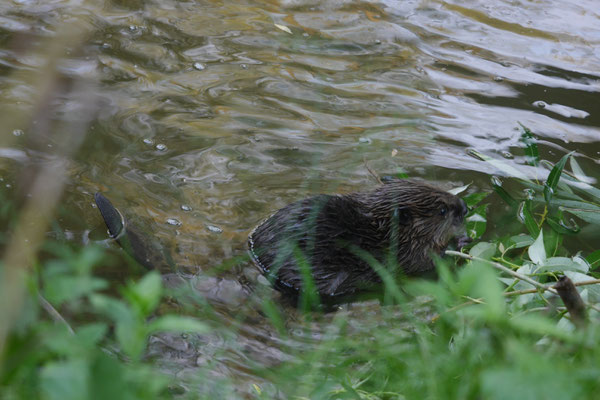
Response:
column 321, row 234
column 336, row 237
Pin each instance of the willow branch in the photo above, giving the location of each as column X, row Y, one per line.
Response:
column 505, row 270
column 529, row 291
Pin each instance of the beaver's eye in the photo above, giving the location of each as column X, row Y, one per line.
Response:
column 443, row 211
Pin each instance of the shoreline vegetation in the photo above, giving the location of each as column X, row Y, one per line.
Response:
column 518, row 316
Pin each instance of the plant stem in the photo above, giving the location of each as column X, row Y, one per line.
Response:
column 503, row 269
column 528, row 291
column 505, row 261
column 54, row 313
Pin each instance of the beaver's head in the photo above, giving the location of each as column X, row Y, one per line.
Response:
column 422, row 218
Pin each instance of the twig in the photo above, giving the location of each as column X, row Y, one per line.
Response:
column 54, row 313
column 529, row 291
column 518, row 293
column 504, row 269
column 373, row 173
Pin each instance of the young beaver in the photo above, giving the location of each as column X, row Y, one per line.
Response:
column 333, row 235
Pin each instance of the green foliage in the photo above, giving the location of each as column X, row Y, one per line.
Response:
column 69, row 278
column 50, row 361
column 554, row 177
column 531, row 149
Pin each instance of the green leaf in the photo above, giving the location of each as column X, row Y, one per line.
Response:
column 130, row 326
column 576, row 204
column 90, row 334
column 60, row 341
column 554, row 177
column 552, row 241
column 560, row 264
column 563, row 188
column 590, row 190
column 476, row 222
column 146, row 293
column 537, row 252
column 479, row 279
column 176, row 323
column 592, row 217
column 526, row 216
column 111, row 379
column 594, row 259
column 483, row 250
column 504, row 195
column 582, row 187
column 474, row 198
column 560, row 193
column 82, row 344
column 578, row 172
column 114, row 309
column 65, row 380
column 490, row 289
column 539, row 326
column 132, row 335
column 521, row 240
column 531, row 149
column 560, row 227
column 585, row 265
column 64, row 288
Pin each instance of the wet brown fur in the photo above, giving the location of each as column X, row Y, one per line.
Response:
column 335, row 235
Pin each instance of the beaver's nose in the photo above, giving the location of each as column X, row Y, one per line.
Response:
column 463, row 208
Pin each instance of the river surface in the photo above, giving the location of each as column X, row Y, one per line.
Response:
column 201, row 118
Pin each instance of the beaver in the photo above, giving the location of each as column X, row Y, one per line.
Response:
column 335, row 240
column 339, row 238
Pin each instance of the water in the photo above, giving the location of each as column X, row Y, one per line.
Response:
column 235, row 110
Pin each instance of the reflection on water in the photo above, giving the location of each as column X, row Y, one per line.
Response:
column 212, row 115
